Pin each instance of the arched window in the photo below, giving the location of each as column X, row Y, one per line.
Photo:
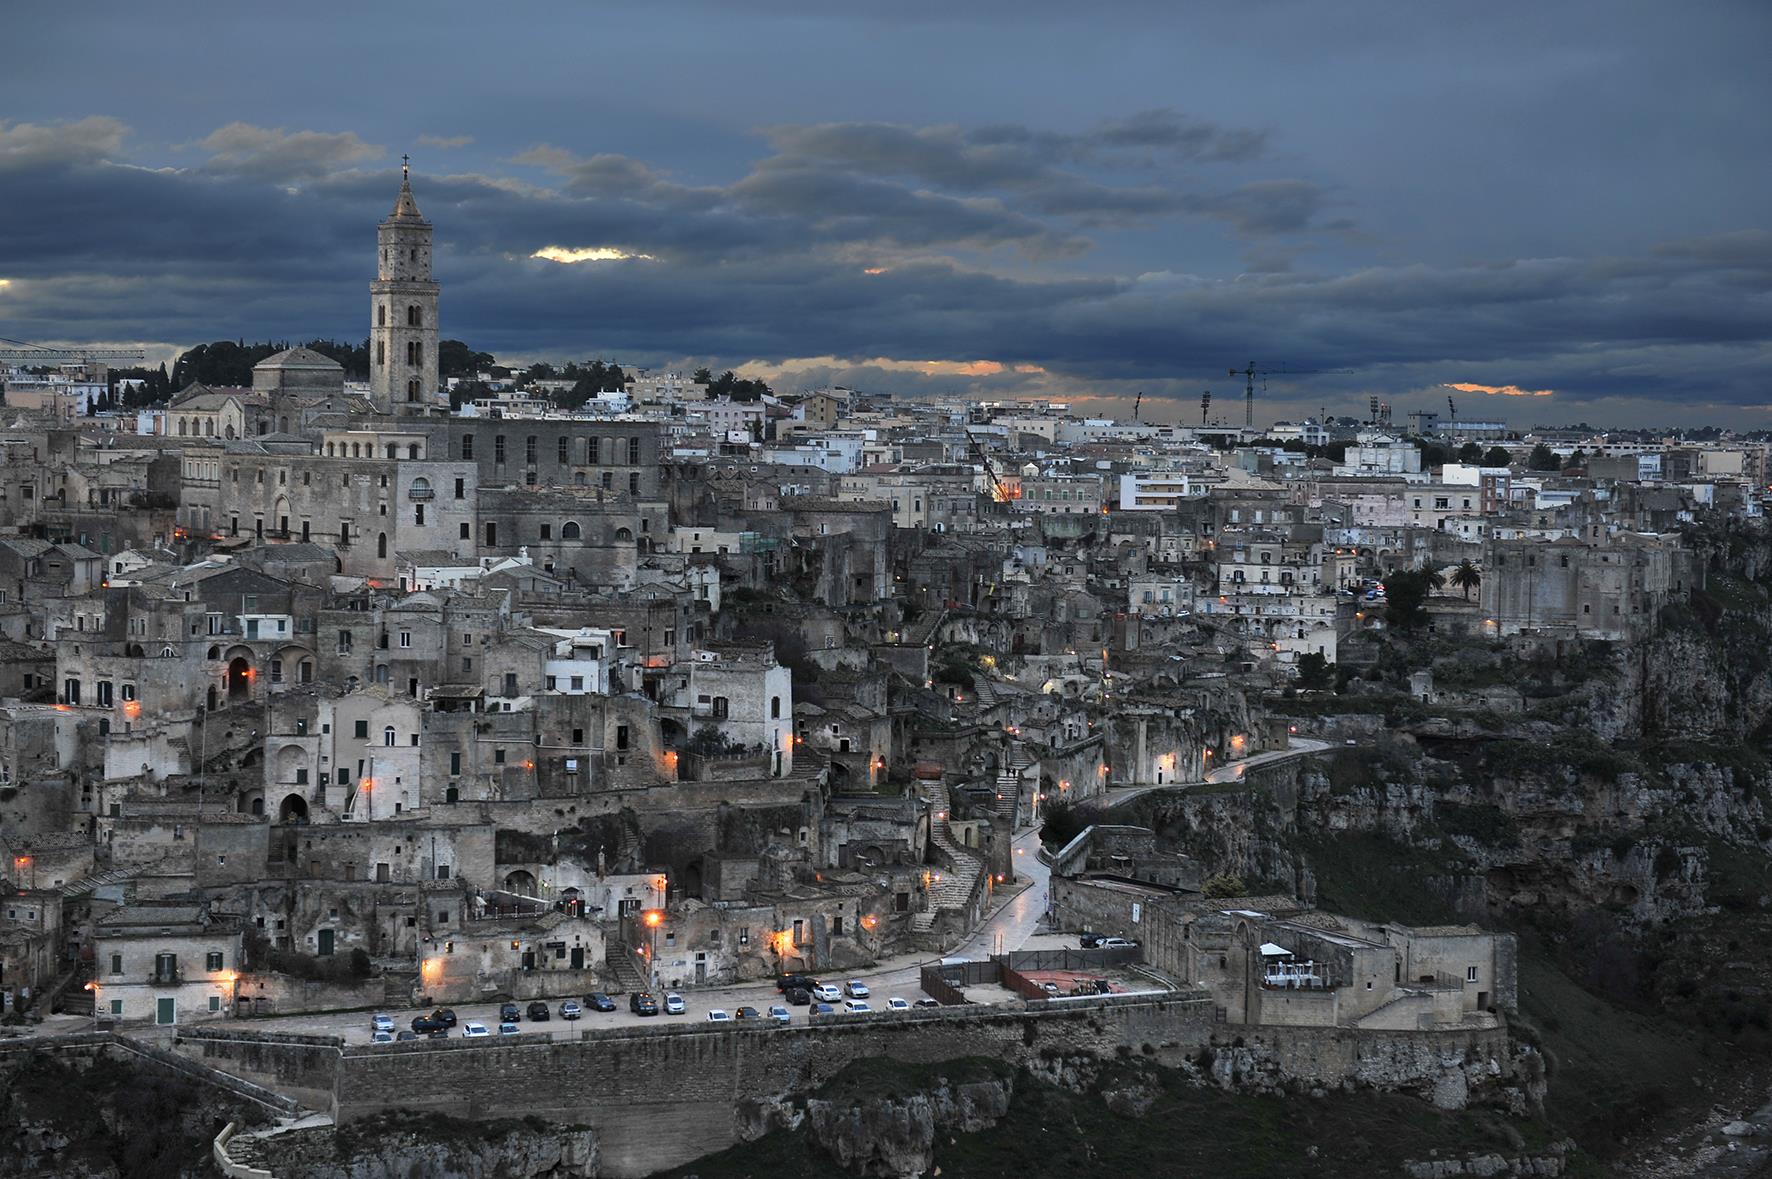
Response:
column 414, row 317
column 387, row 736
column 381, row 352
column 181, row 427
column 412, row 390
column 381, row 544
column 168, row 653
column 381, row 316
column 412, row 450
column 393, row 451
column 209, row 427
column 775, row 708
column 570, row 530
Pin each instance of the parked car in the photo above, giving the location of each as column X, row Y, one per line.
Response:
column 538, row 1010
column 819, row 1009
column 826, row 993
column 381, row 1023
column 570, row 1009
column 715, row 1015
column 381, row 1037
column 747, row 1013
column 424, row 1025
column 897, row 1004
column 788, row 982
column 405, row 1035
column 507, row 1028
column 598, row 1001
column 856, row 1007
column 798, row 996
column 673, row 1004
column 446, row 1015
column 856, row 989
column 1115, row 943
column 781, row 1014
column 1089, row 940
column 507, row 1013
column 473, row 1030
column 640, row 1003
column 927, row 1003
column 1051, row 988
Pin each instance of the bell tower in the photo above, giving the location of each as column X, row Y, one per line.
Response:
column 403, row 310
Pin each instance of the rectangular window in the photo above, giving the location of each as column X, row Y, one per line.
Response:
column 213, row 961
column 467, row 446
column 1470, row 974
column 455, row 763
column 633, row 451
column 498, row 448
column 116, row 964
column 529, row 450
column 406, row 638
column 621, row 736
column 361, row 730
column 564, row 442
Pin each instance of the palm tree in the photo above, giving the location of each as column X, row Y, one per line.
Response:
column 1433, row 577
column 1467, row 577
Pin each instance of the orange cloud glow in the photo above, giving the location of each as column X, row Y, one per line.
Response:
column 1502, row 390
column 568, row 256
column 875, row 270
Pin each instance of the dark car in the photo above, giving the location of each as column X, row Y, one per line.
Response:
column 798, row 996
column 406, row 1035
column 640, row 1003
column 424, row 1025
column 538, row 1010
column 1089, row 940
column 598, row 1001
column 747, row 1013
column 788, row 982
column 507, row 1013
column 446, row 1015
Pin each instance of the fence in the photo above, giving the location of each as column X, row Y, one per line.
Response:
column 942, row 982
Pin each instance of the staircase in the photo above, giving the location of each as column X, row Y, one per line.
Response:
column 624, row 968
column 959, row 875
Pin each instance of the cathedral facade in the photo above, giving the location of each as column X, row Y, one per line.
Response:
column 403, row 311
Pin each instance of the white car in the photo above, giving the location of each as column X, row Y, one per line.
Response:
column 673, row 1004
column 781, row 1014
column 827, row 993
column 897, row 1004
column 473, row 1031
column 1108, row 943
column 856, row 1007
column 715, row 1015
column 856, row 989
column 381, row 1037
column 381, row 1023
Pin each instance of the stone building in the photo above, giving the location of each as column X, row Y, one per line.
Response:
column 165, row 964
column 403, row 310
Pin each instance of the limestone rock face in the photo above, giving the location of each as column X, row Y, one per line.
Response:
column 540, row 1152
column 894, row 1137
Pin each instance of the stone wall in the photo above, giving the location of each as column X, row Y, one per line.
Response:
column 303, row 1067
column 629, row 1083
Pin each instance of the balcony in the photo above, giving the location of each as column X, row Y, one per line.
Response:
column 170, row 976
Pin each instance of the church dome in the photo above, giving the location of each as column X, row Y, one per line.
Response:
column 298, row 370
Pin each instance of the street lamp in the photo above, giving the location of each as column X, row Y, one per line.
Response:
column 652, row 919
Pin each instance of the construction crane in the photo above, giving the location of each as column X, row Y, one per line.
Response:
column 1250, row 372
column 1205, row 405
column 19, row 352
column 999, row 493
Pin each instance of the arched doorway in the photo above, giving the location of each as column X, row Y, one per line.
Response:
column 293, row 810
column 520, row 882
column 239, row 679
column 211, row 700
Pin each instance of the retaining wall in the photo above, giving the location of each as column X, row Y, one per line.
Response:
column 661, row 1097
column 302, row 1067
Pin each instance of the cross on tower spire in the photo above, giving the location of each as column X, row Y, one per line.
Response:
column 405, row 168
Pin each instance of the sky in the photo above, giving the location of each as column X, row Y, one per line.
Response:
column 1549, row 212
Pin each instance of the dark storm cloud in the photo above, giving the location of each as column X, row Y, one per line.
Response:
column 861, row 242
